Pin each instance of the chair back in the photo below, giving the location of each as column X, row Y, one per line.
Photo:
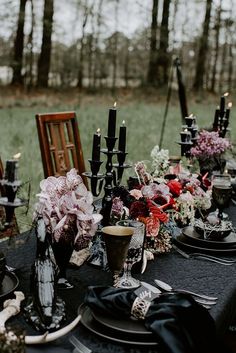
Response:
column 60, row 143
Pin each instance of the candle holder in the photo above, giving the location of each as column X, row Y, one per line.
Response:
column 94, row 177
column 120, row 166
column 9, row 201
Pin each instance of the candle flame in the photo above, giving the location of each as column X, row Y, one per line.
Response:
column 17, row 156
column 123, row 122
column 98, row 131
column 114, row 105
column 191, row 115
column 230, row 105
column 185, row 130
column 226, row 94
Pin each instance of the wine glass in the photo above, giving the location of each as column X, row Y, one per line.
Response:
column 221, row 192
column 117, row 239
column 134, row 253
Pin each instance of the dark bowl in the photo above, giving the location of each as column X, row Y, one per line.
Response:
column 212, row 232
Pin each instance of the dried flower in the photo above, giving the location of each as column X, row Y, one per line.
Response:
column 210, row 144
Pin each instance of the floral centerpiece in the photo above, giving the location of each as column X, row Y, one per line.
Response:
column 66, row 207
column 209, row 150
column 160, row 203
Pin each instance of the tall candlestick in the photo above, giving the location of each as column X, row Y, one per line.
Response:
column 112, row 122
column 122, row 137
column 96, row 146
column 11, row 170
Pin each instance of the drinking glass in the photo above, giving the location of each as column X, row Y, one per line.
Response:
column 134, row 253
column 117, row 239
column 221, row 192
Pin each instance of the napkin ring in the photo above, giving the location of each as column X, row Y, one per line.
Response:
column 139, row 308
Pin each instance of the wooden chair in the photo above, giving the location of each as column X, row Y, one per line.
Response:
column 60, row 143
column 13, row 229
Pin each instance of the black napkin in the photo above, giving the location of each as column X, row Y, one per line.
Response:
column 179, row 323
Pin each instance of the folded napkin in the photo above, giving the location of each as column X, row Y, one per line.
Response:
column 179, row 324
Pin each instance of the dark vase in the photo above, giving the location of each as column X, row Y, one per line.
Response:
column 212, row 165
column 62, row 252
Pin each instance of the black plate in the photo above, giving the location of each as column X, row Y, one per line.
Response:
column 182, row 241
column 9, row 284
column 196, row 238
column 92, row 325
column 125, row 326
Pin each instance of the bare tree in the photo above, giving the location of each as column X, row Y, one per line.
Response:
column 217, row 36
column 45, row 54
column 115, row 48
column 19, row 46
column 82, row 44
column 151, row 76
column 202, row 54
column 163, row 59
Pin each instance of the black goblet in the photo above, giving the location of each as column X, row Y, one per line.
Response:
column 221, row 192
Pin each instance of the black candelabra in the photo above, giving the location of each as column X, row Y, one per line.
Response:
column 10, row 185
column 221, row 118
column 188, row 135
column 110, row 178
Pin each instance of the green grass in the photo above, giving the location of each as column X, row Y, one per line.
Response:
column 143, row 116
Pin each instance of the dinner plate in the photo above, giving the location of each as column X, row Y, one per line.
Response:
column 94, row 326
column 128, row 326
column 9, row 284
column 182, row 241
column 196, row 238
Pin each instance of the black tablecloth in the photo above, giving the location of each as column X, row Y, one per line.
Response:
column 194, row 274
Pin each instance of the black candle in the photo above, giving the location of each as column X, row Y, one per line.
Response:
column 216, row 119
column 96, row 146
column 11, row 170
column 122, row 137
column 112, row 122
column 189, row 120
column 228, row 111
column 222, row 105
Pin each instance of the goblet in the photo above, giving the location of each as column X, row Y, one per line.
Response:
column 221, row 192
column 117, row 241
column 134, row 253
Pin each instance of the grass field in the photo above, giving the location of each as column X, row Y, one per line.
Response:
column 143, row 114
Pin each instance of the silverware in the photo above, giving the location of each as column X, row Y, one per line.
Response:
column 79, row 346
column 166, row 287
column 210, row 258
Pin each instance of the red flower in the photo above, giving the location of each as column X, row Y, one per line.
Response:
column 138, row 209
column 175, row 187
column 157, row 212
column 152, row 226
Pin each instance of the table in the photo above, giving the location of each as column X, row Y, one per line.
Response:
column 195, row 274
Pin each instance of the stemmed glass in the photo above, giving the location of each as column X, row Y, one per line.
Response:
column 117, row 241
column 221, row 192
column 134, row 253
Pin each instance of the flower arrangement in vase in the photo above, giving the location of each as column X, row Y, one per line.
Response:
column 160, row 203
column 66, row 206
column 209, row 151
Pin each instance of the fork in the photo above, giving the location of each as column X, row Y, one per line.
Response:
column 211, row 258
column 79, row 346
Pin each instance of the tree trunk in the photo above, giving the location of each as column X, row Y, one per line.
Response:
column 151, row 76
column 45, row 54
column 217, row 35
column 223, row 61
column 114, row 57
column 81, row 57
column 202, row 54
column 126, row 64
column 163, row 59
column 19, row 46
column 97, row 62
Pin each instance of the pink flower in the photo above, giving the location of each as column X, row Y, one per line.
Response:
column 137, row 194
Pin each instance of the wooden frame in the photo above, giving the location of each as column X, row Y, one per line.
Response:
column 60, row 143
